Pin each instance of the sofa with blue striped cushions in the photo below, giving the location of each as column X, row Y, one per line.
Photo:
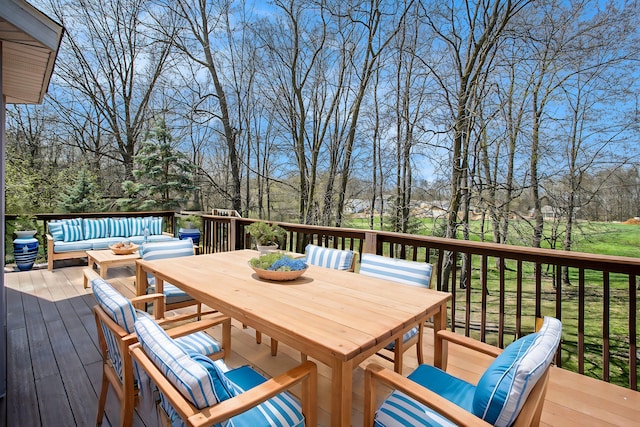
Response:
column 201, row 384
column 72, row 238
column 408, row 273
column 336, row 259
column 498, row 398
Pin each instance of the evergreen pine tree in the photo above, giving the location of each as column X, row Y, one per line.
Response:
column 164, row 175
column 82, row 196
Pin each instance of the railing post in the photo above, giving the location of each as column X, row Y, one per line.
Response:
column 233, row 228
column 370, row 242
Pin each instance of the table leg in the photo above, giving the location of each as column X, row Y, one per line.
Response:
column 158, row 309
column 141, row 284
column 103, row 270
column 341, row 397
column 440, row 347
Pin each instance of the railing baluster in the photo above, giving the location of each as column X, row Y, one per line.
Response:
column 501, row 263
column 606, row 301
column 519, row 299
column 483, row 298
column 467, row 278
column 538, row 277
column 454, row 289
column 558, row 315
column 581, row 321
column 633, row 349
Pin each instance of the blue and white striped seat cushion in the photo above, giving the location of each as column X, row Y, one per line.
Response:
column 189, row 376
column 397, row 270
column 500, row 393
column 121, row 311
column 80, row 245
column 329, row 258
column 163, row 250
column 279, row 411
column 169, row 249
column 114, row 304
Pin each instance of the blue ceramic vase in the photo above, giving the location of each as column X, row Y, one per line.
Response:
column 25, row 249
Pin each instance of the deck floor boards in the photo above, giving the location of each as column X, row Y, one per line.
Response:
column 54, row 366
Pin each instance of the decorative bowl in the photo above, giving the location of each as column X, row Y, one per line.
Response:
column 124, row 250
column 278, row 276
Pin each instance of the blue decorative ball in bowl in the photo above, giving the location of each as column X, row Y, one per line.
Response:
column 278, row 266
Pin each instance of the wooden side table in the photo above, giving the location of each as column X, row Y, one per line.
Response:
column 106, row 258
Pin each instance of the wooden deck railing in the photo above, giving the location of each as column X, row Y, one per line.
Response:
column 500, row 289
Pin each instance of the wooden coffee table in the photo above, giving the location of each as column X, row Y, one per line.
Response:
column 106, row 258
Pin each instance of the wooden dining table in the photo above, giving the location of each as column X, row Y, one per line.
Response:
column 336, row 317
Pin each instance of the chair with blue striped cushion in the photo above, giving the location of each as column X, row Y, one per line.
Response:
column 336, row 259
column 115, row 319
column 191, row 387
column 509, row 393
column 174, row 297
column 408, row 273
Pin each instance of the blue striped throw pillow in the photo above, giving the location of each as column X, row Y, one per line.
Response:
column 119, row 227
column 155, row 225
column 137, row 226
column 71, row 232
column 96, row 228
column 55, row 230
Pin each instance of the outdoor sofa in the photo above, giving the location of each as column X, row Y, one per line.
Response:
column 72, row 238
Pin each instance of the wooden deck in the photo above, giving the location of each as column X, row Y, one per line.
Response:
column 53, row 372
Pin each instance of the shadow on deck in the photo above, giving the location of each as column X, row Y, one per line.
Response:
column 54, row 367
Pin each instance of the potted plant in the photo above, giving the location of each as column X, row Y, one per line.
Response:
column 190, row 228
column 267, row 236
column 25, row 226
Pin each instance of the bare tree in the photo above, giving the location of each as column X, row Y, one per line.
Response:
column 112, row 60
column 200, row 21
column 470, row 33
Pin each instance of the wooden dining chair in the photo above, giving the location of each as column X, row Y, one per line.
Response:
column 335, row 259
column 175, row 297
column 115, row 318
column 410, row 273
column 509, row 393
column 198, row 392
